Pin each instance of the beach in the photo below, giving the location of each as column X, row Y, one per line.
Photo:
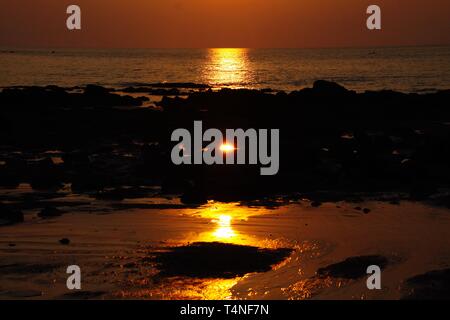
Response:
column 114, row 250
column 87, row 180
column 224, row 159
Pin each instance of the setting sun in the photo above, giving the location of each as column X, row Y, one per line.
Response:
column 227, row 147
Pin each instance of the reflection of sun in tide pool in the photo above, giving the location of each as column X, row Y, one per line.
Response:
column 225, row 222
column 224, row 230
column 220, row 222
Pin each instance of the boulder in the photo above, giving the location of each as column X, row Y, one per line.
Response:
column 328, row 88
column 352, row 268
column 10, row 215
column 50, row 212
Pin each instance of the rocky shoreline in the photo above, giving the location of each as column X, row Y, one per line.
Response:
column 335, row 143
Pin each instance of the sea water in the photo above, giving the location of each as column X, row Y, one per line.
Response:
column 408, row 69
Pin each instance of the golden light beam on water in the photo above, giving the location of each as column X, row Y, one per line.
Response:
column 227, row 220
column 224, row 230
column 227, row 223
column 227, row 67
column 221, row 222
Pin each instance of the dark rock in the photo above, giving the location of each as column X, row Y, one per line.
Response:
column 193, row 196
column 165, row 92
column 76, row 159
column 89, row 180
column 112, row 195
column 228, row 260
column 83, row 295
column 352, row 268
column 56, row 98
column 316, row 204
column 22, row 294
column 97, row 96
column 121, row 193
column 27, row 269
column 85, row 120
column 137, row 89
column 45, row 175
column 179, row 85
column 11, row 173
column 95, row 90
column 367, row 211
column 434, row 285
column 10, row 215
column 50, row 212
column 327, row 87
column 441, row 201
column 421, row 192
column 9, row 178
column 152, row 155
column 64, row 241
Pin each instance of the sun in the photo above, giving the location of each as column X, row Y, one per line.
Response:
column 226, row 147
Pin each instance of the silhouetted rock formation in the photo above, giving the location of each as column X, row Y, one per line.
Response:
column 229, row 260
column 434, row 285
column 10, row 215
column 332, row 139
column 50, row 212
column 352, row 268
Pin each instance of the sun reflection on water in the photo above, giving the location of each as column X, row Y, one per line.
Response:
column 224, row 217
column 224, row 230
column 228, row 222
column 185, row 289
column 225, row 223
column 227, row 67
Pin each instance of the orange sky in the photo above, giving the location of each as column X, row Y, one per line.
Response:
column 222, row 23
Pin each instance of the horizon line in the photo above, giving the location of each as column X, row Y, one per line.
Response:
column 203, row 48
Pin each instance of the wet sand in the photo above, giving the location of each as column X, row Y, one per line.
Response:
column 115, row 248
column 89, row 182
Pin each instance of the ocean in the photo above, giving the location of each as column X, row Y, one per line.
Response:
column 407, row 69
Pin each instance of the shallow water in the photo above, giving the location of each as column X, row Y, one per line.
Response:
column 113, row 247
column 409, row 69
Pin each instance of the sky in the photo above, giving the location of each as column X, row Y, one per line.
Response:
column 223, row 23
